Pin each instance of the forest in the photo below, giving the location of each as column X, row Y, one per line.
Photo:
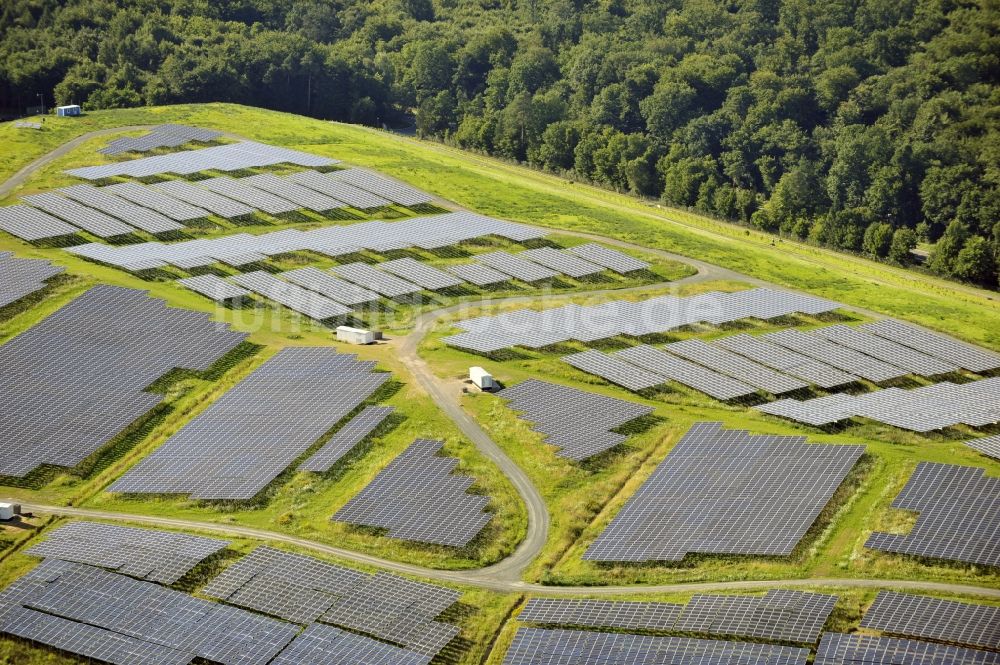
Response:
column 871, row 126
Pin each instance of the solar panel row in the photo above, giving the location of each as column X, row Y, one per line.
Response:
column 135, row 215
column 609, row 258
column 857, row 649
column 350, row 435
column 426, row 232
column 726, row 491
column 578, row 422
column 934, row 618
column 393, row 190
column 325, row 645
column 487, row 334
column 295, row 397
column 214, row 287
column 157, row 556
column 22, row 277
column 76, row 379
column 417, row 497
column 539, row 646
column 303, row 589
column 229, row 157
column 292, row 296
column 163, row 136
column 987, row 445
column 959, row 515
column 781, row 615
column 31, row 224
column 923, row 409
column 337, row 290
column 90, row 220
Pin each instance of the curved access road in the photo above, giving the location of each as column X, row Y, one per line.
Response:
column 485, row 579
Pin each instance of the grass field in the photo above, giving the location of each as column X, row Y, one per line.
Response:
column 581, row 498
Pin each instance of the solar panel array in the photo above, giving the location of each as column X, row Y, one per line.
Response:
column 987, row 445
column 781, row 615
column 157, row 556
column 615, row 370
column 398, row 610
column 31, row 224
column 790, row 362
column 200, row 197
column 292, row 296
column 169, row 206
column 25, row 124
column 841, row 649
column 959, row 517
column 302, row 197
column 425, row 232
column 334, row 288
column 326, row 184
column 22, row 277
column 417, row 497
column 933, row 618
column 122, row 620
column 841, row 357
column 388, row 188
column 732, row 364
column 727, row 492
column 923, row 409
column 325, row 645
column 240, row 190
column 240, row 443
column 375, row 280
column 623, row 614
column 578, row 422
column 534, row 329
column 564, row 262
column 350, row 435
column 229, row 157
column 540, row 646
column 163, row 136
column 516, row 267
column 74, row 381
column 950, row 350
column 214, row 287
column 478, row 274
column 612, row 259
column 886, row 350
column 421, row 274
column 685, row 372
column 135, row 215
column 303, row 589
column 90, row 220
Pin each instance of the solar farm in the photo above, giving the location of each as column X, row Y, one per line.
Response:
column 671, row 462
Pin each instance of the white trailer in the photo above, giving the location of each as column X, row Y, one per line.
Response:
column 481, row 378
column 355, row 335
column 9, row 511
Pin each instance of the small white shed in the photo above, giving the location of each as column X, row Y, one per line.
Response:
column 355, row 335
column 481, row 378
column 9, row 511
column 67, row 111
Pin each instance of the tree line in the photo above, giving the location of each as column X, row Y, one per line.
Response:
column 864, row 125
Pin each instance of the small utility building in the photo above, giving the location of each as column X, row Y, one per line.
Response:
column 68, row 111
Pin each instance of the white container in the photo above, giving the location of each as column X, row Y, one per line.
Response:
column 355, row 335
column 481, row 378
column 66, row 111
column 9, row 510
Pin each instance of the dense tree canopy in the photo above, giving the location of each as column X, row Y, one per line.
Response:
column 867, row 125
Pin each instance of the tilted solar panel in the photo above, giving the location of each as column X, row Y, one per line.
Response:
column 726, row 491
